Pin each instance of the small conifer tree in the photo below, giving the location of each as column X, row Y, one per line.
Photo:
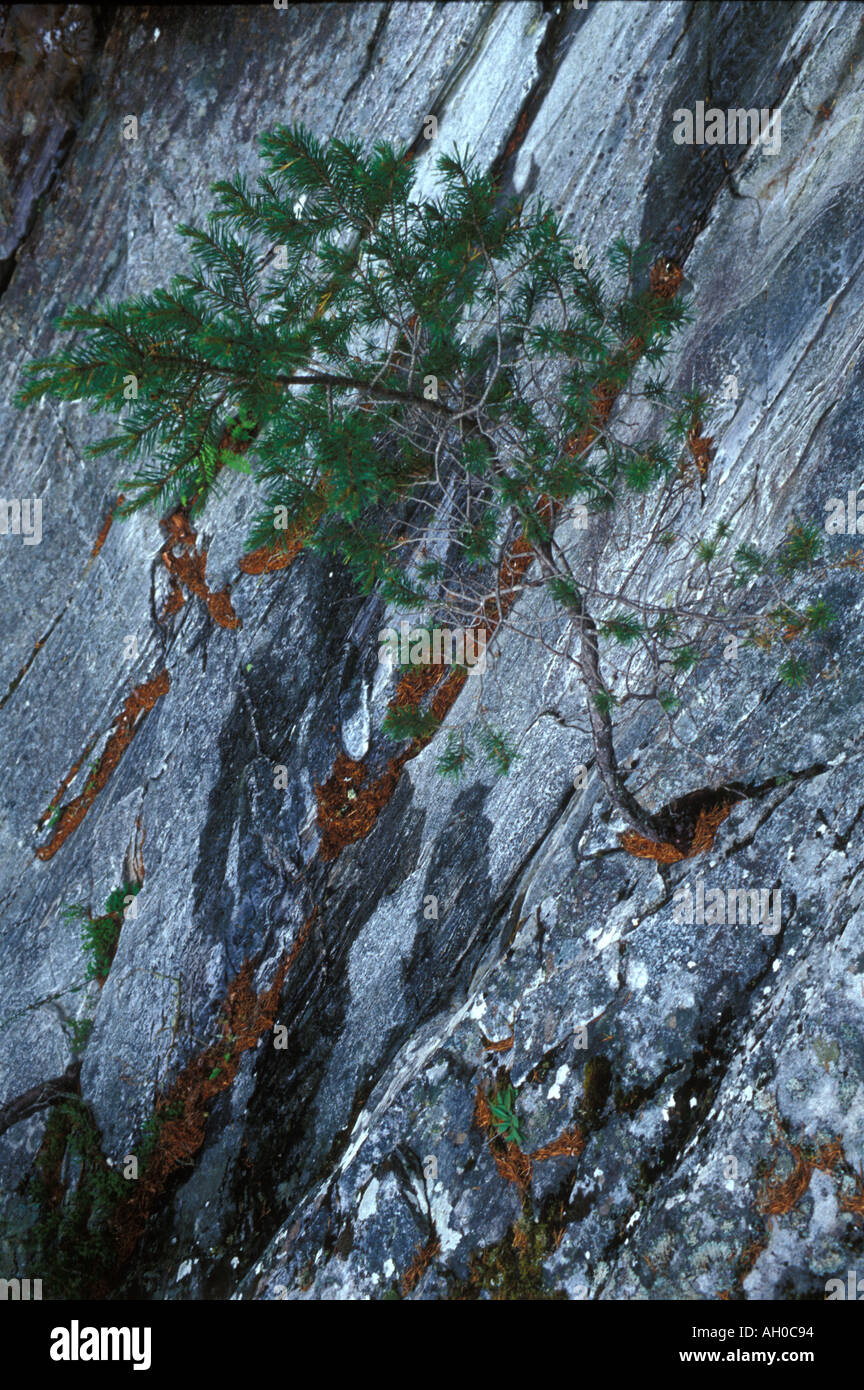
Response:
column 423, row 387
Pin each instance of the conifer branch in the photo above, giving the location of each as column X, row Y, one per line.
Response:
column 468, row 389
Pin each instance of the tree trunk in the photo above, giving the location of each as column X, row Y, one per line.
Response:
column 40, row 1096
column 644, row 822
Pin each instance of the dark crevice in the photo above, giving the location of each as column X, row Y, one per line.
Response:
column 561, row 30
column 685, row 27
column 841, row 840
column 683, row 814
column 370, row 53
column 438, row 102
column 732, row 68
column 35, row 652
column 706, row 1070
column 103, row 19
column 756, row 791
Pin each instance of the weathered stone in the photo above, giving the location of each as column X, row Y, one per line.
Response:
column 709, row 1051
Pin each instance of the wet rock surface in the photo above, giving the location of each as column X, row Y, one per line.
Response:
column 700, row 1086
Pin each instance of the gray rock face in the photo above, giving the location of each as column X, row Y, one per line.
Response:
column 700, row 1085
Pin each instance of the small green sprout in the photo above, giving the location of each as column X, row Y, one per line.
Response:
column 504, row 1117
